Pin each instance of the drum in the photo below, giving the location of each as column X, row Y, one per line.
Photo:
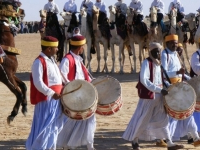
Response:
column 195, row 83
column 109, row 95
column 79, row 99
column 181, row 100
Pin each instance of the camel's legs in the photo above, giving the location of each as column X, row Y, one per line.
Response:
column 113, row 57
column 98, row 55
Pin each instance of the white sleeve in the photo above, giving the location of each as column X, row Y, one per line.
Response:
column 37, row 74
column 56, row 9
column 145, row 76
column 64, row 69
column 195, row 63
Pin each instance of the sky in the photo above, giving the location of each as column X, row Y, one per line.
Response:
column 32, row 7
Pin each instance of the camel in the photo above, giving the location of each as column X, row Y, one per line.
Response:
column 99, row 39
column 117, row 40
column 86, row 33
column 43, row 15
column 134, row 37
column 67, row 16
column 192, row 26
column 197, row 35
column 155, row 32
column 176, row 29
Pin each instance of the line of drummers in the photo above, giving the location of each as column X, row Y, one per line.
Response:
column 169, row 104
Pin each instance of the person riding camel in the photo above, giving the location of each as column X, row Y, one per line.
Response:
column 160, row 11
column 137, row 7
column 176, row 4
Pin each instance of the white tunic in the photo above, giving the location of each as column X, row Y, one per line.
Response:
column 48, row 117
column 51, row 7
column 159, row 4
column 89, row 4
column 178, row 6
column 150, row 120
column 171, row 64
column 137, row 6
column 101, row 6
column 195, row 63
column 70, row 6
column 122, row 6
column 76, row 133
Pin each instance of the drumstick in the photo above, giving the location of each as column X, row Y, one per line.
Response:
column 72, row 91
column 100, row 81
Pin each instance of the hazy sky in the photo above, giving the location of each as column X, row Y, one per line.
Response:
column 32, row 7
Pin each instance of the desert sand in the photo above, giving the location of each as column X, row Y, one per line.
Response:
column 109, row 128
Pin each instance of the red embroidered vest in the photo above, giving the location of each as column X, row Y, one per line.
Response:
column 143, row 92
column 72, row 68
column 35, row 95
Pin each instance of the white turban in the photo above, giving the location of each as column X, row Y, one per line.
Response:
column 177, row 2
column 135, row 1
column 154, row 45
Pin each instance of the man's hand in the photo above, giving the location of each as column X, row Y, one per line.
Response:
column 164, row 92
column 181, row 71
column 56, row 96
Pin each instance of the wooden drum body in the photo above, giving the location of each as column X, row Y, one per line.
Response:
column 109, row 95
column 79, row 99
column 181, row 100
column 195, row 83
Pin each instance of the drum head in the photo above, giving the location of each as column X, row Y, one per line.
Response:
column 83, row 95
column 195, row 83
column 108, row 88
column 181, row 96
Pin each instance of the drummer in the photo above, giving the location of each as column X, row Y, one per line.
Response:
column 172, row 65
column 195, row 70
column 150, row 120
column 76, row 133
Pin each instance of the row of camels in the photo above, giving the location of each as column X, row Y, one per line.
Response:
column 131, row 37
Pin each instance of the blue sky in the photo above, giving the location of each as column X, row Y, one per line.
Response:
column 32, row 7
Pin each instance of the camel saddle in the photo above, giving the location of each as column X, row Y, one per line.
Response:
column 141, row 29
column 8, row 11
column 12, row 50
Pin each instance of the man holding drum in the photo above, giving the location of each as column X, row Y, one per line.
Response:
column 150, row 121
column 76, row 133
column 195, row 71
column 46, row 85
column 174, row 70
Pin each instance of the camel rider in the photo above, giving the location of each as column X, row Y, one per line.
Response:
column 160, row 11
column 122, row 7
column 70, row 6
column 137, row 6
column 180, row 13
column 52, row 8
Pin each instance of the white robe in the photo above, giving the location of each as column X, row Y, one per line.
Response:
column 159, row 4
column 150, row 120
column 138, row 7
column 76, row 133
column 70, row 6
column 48, row 117
column 51, row 7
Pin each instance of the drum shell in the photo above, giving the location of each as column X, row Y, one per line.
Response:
column 183, row 114
column 114, row 103
column 82, row 114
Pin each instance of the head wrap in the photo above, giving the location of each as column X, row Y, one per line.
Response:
column 76, row 34
column 78, row 40
column 198, row 10
column 177, row 2
column 49, row 41
column 171, row 37
column 154, row 45
column 180, row 45
column 135, row 1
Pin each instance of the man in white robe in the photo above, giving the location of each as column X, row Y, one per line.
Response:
column 150, row 120
column 137, row 6
column 70, row 6
column 46, row 86
column 76, row 133
column 121, row 6
column 174, row 70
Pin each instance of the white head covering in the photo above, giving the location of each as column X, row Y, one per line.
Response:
column 76, row 34
column 87, row 1
column 198, row 9
column 156, row 1
column 154, row 45
column 71, row 1
column 135, row 1
column 177, row 2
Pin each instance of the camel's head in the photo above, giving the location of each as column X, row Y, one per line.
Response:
column 173, row 12
column 153, row 10
column 83, row 11
column 112, row 9
column 43, row 13
column 190, row 17
column 95, row 10
column 66, row 15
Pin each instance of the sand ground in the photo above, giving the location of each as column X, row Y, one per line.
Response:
column 109, row 129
